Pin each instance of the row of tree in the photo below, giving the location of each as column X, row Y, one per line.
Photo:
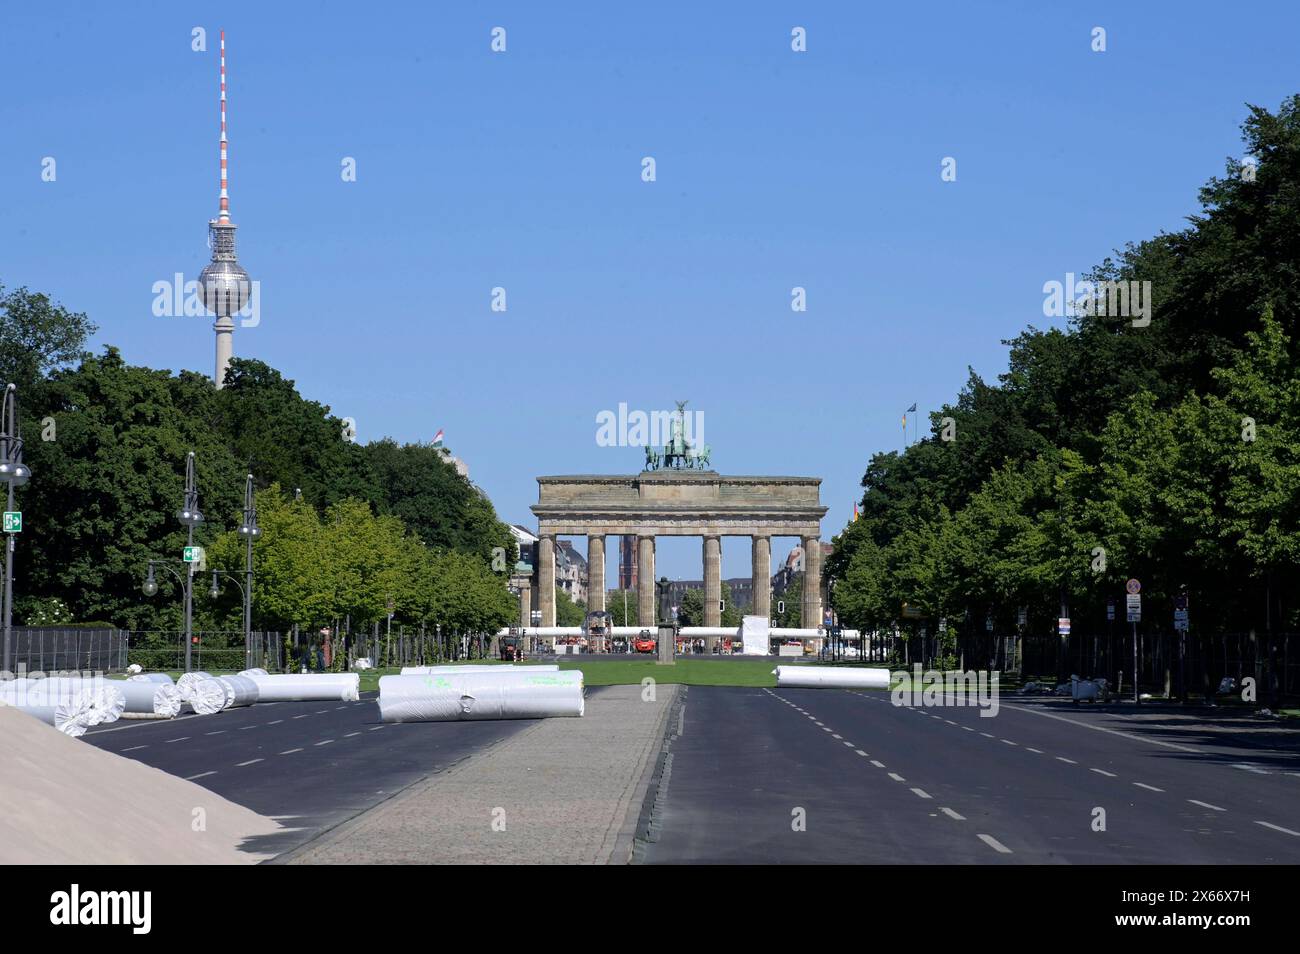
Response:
column 347, row 527
column 1113, row 449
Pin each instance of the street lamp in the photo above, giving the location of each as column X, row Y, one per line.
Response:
column 14, row 473
column 150, row 588
column 250, row 531
column 191, row 517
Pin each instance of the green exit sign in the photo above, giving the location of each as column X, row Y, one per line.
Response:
column 13, row 521
column 192, row 555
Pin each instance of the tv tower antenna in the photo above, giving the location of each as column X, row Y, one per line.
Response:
column 223, row 283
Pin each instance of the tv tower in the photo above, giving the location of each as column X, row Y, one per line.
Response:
column 223, row 282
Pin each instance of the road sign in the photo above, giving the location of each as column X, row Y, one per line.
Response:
column 192, row 554
column 1180, row 602
column 1133, row 587
column 1134, row 608
column 1180, row 619
column 1022, row 617
column 1110, row 609
column 913, row 612
column 13, row 521
column 1063, row 626
column 943, row 625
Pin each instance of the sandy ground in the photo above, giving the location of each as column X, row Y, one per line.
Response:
column 66, row 802
column 564, row 791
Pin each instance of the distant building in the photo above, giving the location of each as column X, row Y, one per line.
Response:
column 571, row 571
column 527, row 542
column 627, row 562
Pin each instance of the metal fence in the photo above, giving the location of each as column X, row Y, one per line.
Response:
column 165, row 649
column 52, row 649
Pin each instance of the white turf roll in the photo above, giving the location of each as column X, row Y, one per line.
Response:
column 507, row 667
column 206, row 696
column 454, row 697
column 70, row 718
column 309, row 687
column 104, row 701
column 152, row 677
column 254, row 672
column 830, row 677
column 189, row 680
column 240, row 690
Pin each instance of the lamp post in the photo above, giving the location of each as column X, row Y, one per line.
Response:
column 15, row 473
column 190, row 516
column 250, row 531
column 150, row 588
column 216, row 592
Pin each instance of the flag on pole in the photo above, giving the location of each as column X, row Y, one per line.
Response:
column 855, row 511
column 437, row 438
column 912, row 409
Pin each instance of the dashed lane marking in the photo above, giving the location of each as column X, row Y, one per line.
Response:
column 1213, row 808
column 249, row 762
column 952, row 814
column 325, row 742
column 877, row 764
column 1285, row 831
column 1103, row 772
column 134, row 747
column 183, row 738
column 995, row 844
column 190, row 778
column 896, row 777
column 1062, row 758
column 290, row 751
column 920, row 793
column 1150, row 788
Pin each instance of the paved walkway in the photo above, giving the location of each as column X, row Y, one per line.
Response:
column 563, row 791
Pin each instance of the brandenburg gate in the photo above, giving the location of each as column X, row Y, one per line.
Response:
column 685, row 503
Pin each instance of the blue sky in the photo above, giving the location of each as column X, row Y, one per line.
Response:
column 522, row 170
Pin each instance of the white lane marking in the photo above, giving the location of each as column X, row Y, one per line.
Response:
column 325, row 742
column 351, row 734
column 896, row 777
column 995, row 844
column 275, row 722
column 1251, row 768
column 949, row 721
column 337, row 708
column 218, row 732
column 183, row 738
column 190, row 778
column 920, row 793
column 1062, row 758
column 1150, row 788
column 1103, row 772
column 1100, row 728
column 952, row 814
column 848, row 743
column 1285, row 831
column 826, row 728
column 245, row 728
column 1007, row 741
column 249, row 762
column 375, row 728
column 968, row 728
column 861, row 753
column 815, row 722
column 1213, row 808
column 303, row 716
column 987, row 735
column 836, row 735
column 1035, row 751
column 877, row 764
column 323, row 711
column 290, row 751
column 134, row 747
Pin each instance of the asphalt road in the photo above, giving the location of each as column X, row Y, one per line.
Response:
column 310, row 765
column 883, row 784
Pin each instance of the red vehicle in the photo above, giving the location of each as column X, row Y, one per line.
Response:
column 645, row 643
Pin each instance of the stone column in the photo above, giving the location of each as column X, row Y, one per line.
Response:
column 546, row 578
column 712, row 581
column 812, row 583
column 645, row 581
column 526, row 603
column 762, row 582
column 595, row 572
